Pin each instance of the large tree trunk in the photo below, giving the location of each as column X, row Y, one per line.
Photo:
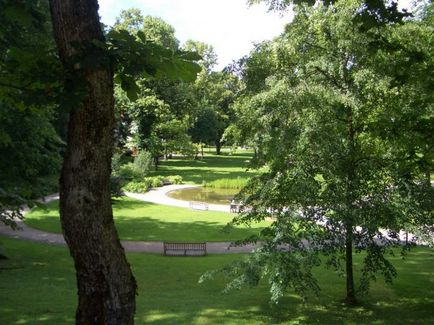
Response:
column 106, row 286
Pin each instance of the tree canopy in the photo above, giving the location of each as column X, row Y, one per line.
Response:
column 329, row 115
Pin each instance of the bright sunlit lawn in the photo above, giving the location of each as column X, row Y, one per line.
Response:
column 38, row 286
column 138, row 220
column 210, row 168
column 38, row 282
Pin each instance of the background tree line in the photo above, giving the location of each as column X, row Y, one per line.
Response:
column 174, row 116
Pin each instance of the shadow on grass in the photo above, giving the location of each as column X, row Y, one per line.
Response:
column 144, row 221
column 223, row 161
column 207, row 169
column 402, row 302
column 149, row 229
column 199, row 176
column 43, row 291
column 123, row 202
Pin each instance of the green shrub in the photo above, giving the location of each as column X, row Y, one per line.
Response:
column 155, row 181
column 137, row 187
column 45, row 185
column 116, row 183
column 232, row 183
column 143, row 162
column 175, row 179
column 129, row 172
column 145, row 183
column 118, row 159
column 116, row 162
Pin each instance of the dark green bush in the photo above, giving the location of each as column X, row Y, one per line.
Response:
column 116, row 183
column 129, row 172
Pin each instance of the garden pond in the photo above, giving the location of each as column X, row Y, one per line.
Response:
column 204, row 194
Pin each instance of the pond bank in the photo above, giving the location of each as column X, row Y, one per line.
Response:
column 159, row 196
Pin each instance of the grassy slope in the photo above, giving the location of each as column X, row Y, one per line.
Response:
column 38, row 286
column 137, row 220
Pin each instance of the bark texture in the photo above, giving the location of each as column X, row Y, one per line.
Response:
column 106, row 286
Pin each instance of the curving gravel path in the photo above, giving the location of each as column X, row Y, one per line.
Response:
column 157, row 196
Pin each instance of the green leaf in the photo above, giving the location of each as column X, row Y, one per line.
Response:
column 137, row 56
column 129, row 85
column 190, row 56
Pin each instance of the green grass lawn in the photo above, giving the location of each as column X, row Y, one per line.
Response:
column 38, row 287
column 38, row 282
column 138, row 220
column 212, row 167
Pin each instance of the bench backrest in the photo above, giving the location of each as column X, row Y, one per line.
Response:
column 187, row 249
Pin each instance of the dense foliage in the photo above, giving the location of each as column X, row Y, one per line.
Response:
column 341, row 119
column 31, row 129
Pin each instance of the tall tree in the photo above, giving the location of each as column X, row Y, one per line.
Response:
column 162, row 100
column 154, row 29
column 216, row 91
column 339, row 177
column 106, row 286
column 130, row 20
column 160, row 32
column 206, row 51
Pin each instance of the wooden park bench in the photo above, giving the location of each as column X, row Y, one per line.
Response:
column 184, row 249
column 196, row 205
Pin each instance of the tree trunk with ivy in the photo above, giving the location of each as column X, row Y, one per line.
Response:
column 106, row 286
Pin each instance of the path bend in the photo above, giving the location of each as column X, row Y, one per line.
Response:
column 157, row 196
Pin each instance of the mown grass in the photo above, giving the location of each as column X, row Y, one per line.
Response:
column 138, row 220
column 38, row 286
column 212, row 167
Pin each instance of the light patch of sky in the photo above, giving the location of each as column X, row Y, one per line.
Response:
column 230, row 26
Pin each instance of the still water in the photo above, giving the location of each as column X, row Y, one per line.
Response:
column 204, row 194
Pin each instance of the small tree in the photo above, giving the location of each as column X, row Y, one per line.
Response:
column 143, row 162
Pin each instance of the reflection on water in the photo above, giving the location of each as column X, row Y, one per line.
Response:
column 204, row 194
